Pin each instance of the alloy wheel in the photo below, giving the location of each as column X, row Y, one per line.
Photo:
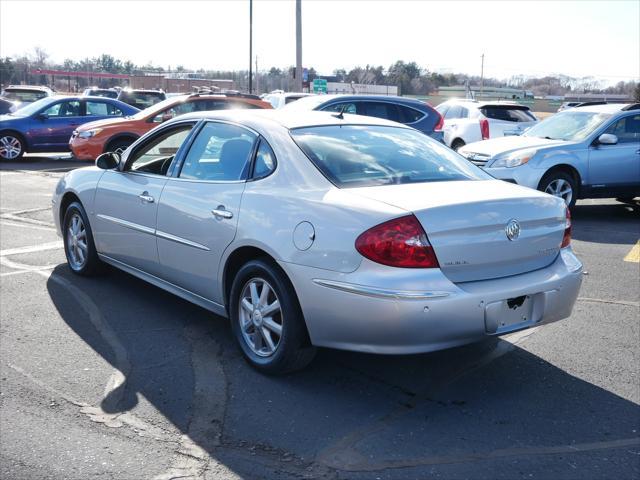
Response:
column 260, row 317
column 10, row 147
column 77, row 249
column 560, row 188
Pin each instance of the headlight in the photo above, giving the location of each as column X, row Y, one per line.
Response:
column 89, row 133
column 514, row 159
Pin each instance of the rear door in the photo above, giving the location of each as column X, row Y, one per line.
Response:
column 199, row 208
column 614, row 168
column 126, row 201
column 98, row 110
column 505, row 120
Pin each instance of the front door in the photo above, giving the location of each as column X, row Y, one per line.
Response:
column 199, row 208
column 126, row 203
column 614, row 168
column 51, row 129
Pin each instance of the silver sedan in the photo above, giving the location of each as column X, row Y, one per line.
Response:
column 316, row 229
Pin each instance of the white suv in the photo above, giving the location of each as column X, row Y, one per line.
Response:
column 468, row 121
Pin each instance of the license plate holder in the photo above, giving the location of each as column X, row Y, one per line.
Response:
column 508, row 315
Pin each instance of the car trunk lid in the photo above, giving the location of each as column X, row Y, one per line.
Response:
column 468, row 223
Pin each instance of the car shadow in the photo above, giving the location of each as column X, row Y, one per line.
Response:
column 611, row 223
column 351, row 412
column 36, row 162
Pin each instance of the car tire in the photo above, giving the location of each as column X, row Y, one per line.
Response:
column 11, row 146
column 118, row 146
column 275, row 344
column 457, row 144
column 560, row 184
column 79, row 247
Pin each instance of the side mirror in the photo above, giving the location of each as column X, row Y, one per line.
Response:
column 607, row 139
column 42, row 116
column 108, row 161
column 167, row 116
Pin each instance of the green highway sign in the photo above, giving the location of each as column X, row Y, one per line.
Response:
column 319, row 85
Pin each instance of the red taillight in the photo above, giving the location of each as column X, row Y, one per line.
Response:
column 440, row 125
column 398, row 243
column 566, row 239
column 484, row 128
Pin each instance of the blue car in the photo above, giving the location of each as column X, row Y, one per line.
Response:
column 415, row 113
column 47, row 124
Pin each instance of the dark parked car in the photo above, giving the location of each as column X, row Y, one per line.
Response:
column 100, row 92
column 46, row 125
column 141, row 98
column 7, row 106
column 415, row 113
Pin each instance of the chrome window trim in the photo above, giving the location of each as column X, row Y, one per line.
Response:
column 379, row 292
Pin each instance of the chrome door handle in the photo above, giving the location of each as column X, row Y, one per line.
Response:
column 220, row 212
column 146, row 198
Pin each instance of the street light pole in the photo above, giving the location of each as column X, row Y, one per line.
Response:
column 298, row 83
column 250, row 45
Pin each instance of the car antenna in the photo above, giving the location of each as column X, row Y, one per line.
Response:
column 340, row 114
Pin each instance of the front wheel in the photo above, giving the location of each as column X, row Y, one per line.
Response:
column 267, row 320
column 457, row 144
column 560, row 184
column 79, row 247
column 11, row 147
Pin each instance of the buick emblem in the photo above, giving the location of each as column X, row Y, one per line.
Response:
column 512, row 230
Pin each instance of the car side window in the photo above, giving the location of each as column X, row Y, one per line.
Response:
column 442, row 110
column 103, row 109
column 220, row 152
column 155, row 155
column 64, row 109
column 409, row 115
column 627, row 129
column 265, row 160
column 454, row 112
column 464, row 112
column 174, row 111
column 380, row 110
column 349, row 107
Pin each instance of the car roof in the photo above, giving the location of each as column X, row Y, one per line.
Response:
column 29, row 87
column 385, row 98
column 606, row 108
column 287, row 119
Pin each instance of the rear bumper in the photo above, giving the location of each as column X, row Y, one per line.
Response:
column 387, row 310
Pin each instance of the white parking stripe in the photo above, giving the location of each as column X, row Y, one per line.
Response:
column 34, row 248
column 27, row 225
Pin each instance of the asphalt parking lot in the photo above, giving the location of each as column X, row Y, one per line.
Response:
column 109, row 377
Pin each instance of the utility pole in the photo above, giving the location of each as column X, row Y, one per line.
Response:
column 298, row 82
column 482, row 75
column 257, row 77
column 250, row 45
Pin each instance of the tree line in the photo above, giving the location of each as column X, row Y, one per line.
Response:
column 409, row 77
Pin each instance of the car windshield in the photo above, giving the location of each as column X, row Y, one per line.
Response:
column 571, row 125
column 34, row 107
column 23, row 95
column 367, row 155
column 153, row 110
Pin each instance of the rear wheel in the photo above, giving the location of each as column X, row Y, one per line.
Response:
column 79, row 247
column 560, row 184
column 11, row 146
column 457, row 144
column 267, row 320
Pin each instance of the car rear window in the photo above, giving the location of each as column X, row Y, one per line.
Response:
column 20, row 95
column 508, row 113
column 367, row 155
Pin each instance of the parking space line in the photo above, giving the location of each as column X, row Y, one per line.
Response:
column 634, row 254
column 32, row 249
column 28, row 225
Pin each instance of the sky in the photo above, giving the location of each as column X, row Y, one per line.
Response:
column 576, row 38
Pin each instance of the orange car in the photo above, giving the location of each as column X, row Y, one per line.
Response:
column 115, row 135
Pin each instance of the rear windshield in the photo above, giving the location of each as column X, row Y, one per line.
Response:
column 102, row 93
column 357, row 156
column 19, row 95
column 508, row 113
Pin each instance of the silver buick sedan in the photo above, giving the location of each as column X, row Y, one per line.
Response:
column 312, row 229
